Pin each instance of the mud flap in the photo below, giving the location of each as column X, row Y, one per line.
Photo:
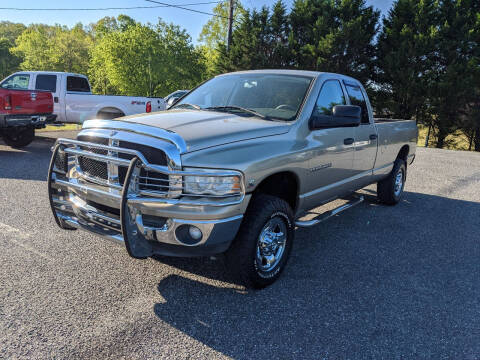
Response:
column 59, row 222
column 137, row 245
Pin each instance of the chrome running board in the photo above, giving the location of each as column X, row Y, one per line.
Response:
column 328, row 214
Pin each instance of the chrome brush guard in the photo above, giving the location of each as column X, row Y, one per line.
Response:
column 128, row 204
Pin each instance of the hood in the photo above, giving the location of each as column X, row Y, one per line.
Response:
column 202, row 129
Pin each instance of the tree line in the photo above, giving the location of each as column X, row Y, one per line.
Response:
column 121, row 56
column 420, row 61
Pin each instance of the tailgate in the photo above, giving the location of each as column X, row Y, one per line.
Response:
column 30, row 102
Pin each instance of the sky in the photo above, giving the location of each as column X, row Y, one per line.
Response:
column 190, row 21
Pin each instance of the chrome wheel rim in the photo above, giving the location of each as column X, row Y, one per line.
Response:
column 398, row 183
column 271, row 244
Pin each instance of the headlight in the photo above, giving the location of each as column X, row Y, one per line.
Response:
column 212, row 185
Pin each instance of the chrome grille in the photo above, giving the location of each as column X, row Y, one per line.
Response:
column 99, row 169
column 94, row 168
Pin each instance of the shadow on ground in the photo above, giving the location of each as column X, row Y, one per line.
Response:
column 28, row 163
column 375, row 281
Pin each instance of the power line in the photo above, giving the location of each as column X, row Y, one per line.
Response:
column 188, row 9
column 113, row 8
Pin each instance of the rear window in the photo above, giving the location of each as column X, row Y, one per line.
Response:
column 46, row 82
column 77, row 84
column 356, row 98
column 18, row 81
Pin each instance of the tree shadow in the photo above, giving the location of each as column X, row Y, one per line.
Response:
column 28, row 163
column 375, row 281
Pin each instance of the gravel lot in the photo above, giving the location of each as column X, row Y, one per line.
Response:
column 375, row 282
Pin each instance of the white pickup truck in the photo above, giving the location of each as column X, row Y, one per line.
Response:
column 74, row 101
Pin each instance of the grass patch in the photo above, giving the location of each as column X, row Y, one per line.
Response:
column 64, row 127
column 455, row 141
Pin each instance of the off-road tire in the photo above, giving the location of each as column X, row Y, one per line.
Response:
column 240, row 258
column 386, row 188
column 19, row 138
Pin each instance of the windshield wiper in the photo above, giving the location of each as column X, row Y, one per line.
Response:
column 196, row 107
column 238, row 108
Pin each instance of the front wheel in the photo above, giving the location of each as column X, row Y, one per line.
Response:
column 263, row 244
column 19, row 138
column 390, row 190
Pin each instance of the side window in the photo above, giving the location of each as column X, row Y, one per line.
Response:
column 330, row 95
column 357, row 98
column 77, row 84
column 46, row 82
column 19, row 81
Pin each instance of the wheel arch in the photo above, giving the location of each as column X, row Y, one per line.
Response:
column 403, row 153
column 284, row 184
column 111, row 110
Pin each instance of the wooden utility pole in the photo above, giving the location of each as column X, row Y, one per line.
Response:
column 230, row 24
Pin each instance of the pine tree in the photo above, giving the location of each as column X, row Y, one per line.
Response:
column 334, row 36
column 405, row 46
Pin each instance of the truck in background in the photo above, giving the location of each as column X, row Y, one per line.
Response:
column 74, row 101
column 22, row 111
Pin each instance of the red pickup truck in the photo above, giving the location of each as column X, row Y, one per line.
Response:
column 23, row 111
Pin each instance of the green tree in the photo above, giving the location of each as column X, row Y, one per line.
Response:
column 215, row 31
column 53, row 48
column 405, row 46
column 139, row 59
column 456, row 70
column 260, row 41
column 9, row 32
column 335, row 36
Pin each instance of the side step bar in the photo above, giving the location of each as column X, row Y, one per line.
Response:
column 328, row 214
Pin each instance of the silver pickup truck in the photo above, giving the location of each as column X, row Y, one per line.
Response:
column 231, row 168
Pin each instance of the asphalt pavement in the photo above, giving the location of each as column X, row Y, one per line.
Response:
column 376, row 282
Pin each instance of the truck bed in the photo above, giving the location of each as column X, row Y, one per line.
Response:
column 25, row 102
column 393, row 134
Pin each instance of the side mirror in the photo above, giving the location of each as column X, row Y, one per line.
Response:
column 342, row 116
column 172, row 101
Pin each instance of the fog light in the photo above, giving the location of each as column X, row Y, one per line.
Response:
column 195, row 232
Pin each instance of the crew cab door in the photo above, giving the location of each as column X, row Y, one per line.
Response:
column 52, row 83
column 332, row 150
column 365, row 135
column 79, row 106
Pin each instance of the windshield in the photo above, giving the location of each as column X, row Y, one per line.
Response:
column 18, row 81
column 269, row 96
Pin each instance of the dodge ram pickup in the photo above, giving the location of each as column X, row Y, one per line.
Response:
column 231, row 168
column 23, row 111
column 74, row 101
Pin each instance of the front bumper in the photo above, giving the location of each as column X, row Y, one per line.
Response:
column 146, row 225
column 35, row 120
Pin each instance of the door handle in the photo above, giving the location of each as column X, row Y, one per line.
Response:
column 55, row 99
column 348, row 141
column 373, row 137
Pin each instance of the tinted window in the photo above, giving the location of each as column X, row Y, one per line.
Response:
column 356, row 98
column 76, row 83
column 46, row 82
column 19, row 81
column 330, row 95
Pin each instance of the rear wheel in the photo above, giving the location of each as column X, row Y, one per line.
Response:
column 18, row 138
column 390, row 190
column 263, row 244
column 107, row 115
